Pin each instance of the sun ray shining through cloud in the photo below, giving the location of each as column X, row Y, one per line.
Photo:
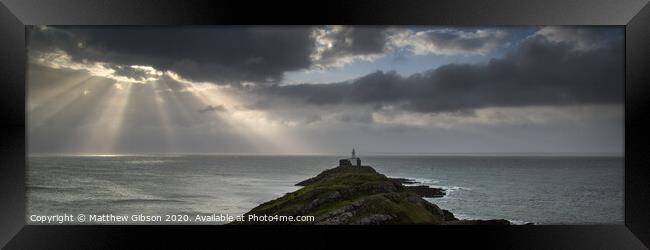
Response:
column 61, row 87
column 163, row 115
column 253, row 138
column 174, row 99
column 50, row 108
column 104, row 130
column 255, row 126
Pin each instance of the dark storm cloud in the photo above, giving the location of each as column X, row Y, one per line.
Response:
column 211, row 108
column 339, row 45
column 349, row 41
column 542, row 71
column 238, row 54
column 220, row 54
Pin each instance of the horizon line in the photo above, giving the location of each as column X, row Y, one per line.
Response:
column 531, row 154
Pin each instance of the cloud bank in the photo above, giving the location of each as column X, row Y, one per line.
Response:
column 223, row 89
column 546, row 69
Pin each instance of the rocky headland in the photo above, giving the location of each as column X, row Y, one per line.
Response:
column 359, row 195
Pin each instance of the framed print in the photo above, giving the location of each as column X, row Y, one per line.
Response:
column 517, row 125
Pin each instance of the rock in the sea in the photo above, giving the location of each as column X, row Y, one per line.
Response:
column 404, row 180
column 422, row 190
column 426, row 191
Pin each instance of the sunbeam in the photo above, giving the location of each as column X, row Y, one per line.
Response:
column 46, row 110
column 254, row 126
column 174, row 100
column 40, row 97
column 104, row 129
column 104, row 125
column 163, row 115
column 249, row 136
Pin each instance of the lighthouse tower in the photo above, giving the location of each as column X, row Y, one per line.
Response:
column 355, row 158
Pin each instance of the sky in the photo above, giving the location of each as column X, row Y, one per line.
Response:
column 325, row 89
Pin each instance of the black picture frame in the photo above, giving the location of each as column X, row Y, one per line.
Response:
column 633, row 14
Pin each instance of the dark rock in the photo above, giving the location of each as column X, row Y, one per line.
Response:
column 404, row 180
column 426, row 191
column 448, row 215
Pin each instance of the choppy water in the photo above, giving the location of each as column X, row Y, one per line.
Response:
column 542, row 190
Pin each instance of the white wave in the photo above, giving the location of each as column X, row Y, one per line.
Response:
column 426, row 181
column 418, row 181
column 450, row 189
column 434, row 184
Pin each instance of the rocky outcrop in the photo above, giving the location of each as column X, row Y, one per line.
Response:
column 360, row 196
column 404, row 180
column 426, row 191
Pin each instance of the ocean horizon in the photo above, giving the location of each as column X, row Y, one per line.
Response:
column 539, row 189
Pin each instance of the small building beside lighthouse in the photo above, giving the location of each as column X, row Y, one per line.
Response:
column 348, row 162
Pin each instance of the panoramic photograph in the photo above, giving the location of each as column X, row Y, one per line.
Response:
column 325, row 125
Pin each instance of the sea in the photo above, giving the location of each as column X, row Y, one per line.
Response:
column 523, row 189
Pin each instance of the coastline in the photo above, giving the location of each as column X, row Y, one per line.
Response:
column 358, row 195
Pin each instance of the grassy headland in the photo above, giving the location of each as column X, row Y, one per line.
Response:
column 359, row 195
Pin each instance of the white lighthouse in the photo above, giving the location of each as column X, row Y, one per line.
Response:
column 355, row 158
